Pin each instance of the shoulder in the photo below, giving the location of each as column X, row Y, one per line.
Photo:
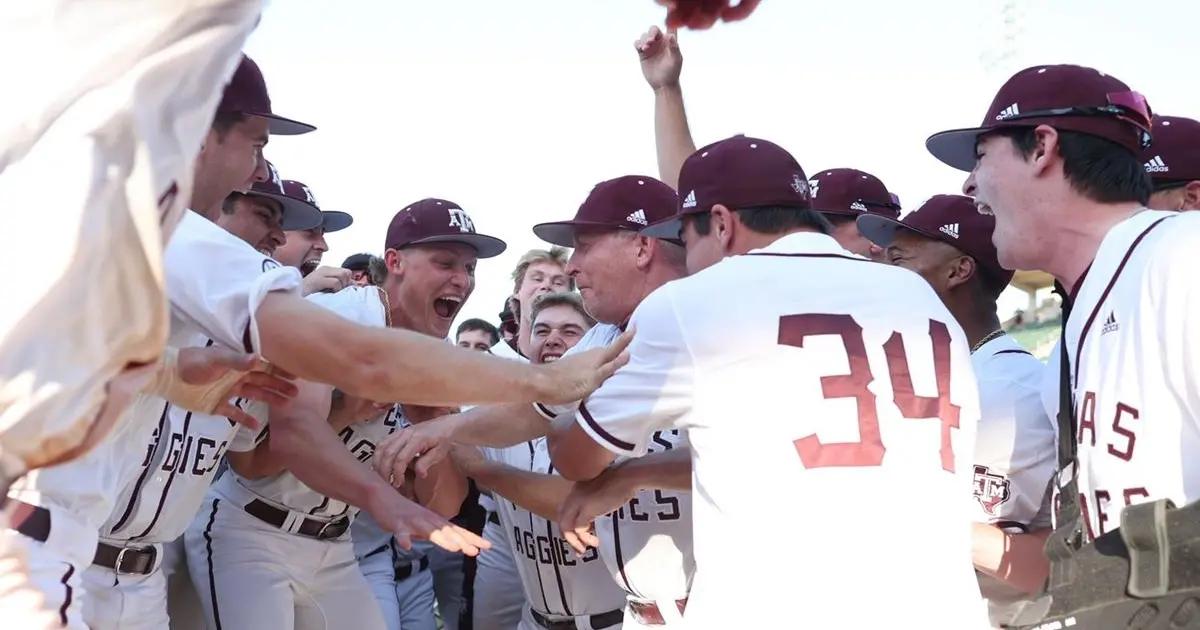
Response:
column 359, row 304
column 199, row 241
column 598, row 336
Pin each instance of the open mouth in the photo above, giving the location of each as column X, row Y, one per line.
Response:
column 551, row 357
column 983, row 208
column 309, row 266
column 447, row 306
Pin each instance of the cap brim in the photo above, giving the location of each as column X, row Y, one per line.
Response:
column 668, row 229
column 297, row 215
column 956, row 147
column 485, row 246
column 280, row 126
column 877, row 229
column 562, row 233
column 335, row 220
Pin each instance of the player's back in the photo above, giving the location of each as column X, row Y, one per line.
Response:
column 820, row 379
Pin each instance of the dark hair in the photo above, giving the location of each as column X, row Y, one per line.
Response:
column 478, row 324
column 1098, row 169
column 768, row 220
column 229, row 204
column 224, row 121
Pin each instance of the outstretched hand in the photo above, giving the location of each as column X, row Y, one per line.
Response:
column 702, row 14
column 577, row 375
column 257, row 380
column 660, row 57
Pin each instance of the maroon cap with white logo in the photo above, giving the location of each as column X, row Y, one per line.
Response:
column 246, row 94
column 1175, row 155
column 300, row 211
column 439, row 221
column 951, row 219
column 631, row 202
column 850, row 192
column 738, row 172
column 1069, row 98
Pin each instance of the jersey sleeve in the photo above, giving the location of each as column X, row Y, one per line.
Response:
column 361, row 305
column 216, row 282
column 654, row 391
column 1015, row 456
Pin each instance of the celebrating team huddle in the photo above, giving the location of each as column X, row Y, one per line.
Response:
column 738, row 394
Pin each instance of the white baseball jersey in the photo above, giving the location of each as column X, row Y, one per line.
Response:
column 1015, row 455
column 826, row 398
column 108, row 122
column 647, row 544
column 361, row 305
column 557, row 581
column 217, row 282
column 211, row 303
column 1132, row 341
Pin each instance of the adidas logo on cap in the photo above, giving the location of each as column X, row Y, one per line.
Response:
column 950, row 229
column 690, row 200
column 1156, row 165
column 1009, row 112
column 638, row 217
column 858, row 205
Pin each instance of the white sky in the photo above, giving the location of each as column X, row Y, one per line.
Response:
column 515, row 108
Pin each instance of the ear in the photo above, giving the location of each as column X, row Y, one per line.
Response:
column 395, row 261
column 723, row 225
column 1191, row 196
column 961, row 269
column 645, row 251
column 1045, row 152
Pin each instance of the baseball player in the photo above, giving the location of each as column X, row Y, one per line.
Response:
column 126, row 583
column 646, row 544
column 883, row 396
column 527, row 492
column 282, row 544
column 477, row 334
column 304, row 248
column 949, row 243
column 1056, row 160
column 359, row 267
column 63, row 507
column 538, row 272
column 840, row 194
column 1173, row 162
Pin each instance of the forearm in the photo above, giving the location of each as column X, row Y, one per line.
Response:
column 538, row 493
column 672, row 136
column 668, row 470
column 1016, row 559
column 443, row 490
column 387, row 363
column 497, row 426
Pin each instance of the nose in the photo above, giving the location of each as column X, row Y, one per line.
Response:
column 555, row 341
column 572, row 267
column 260, row 168
column 875, row 251
column 969, row 185
column 320, row 245
column 277, row 237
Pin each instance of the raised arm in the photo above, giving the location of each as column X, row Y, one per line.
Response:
column 661, row 65
column 392, row 364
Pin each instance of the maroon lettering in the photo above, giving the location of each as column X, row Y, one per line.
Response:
column 1130, row 438
column 1102, row 499
column 869, row 449
column 1130, row 493
column 1087, row 416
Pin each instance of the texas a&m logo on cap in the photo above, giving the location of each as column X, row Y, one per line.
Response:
column 991, row 489
column 460, row 220
column 800, row 185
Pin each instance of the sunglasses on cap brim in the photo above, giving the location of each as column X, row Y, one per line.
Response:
column 1130, row 107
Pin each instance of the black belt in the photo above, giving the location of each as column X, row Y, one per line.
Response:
column 602, row 620
column 30, row 520
column 311, row 527
column 405, row 571
column 493, row 518
column 126, row 559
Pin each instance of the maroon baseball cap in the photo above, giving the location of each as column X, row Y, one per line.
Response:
column 439, row 221
column 300, row 212
column 951, row 219
column 851, row 192
column 631, row 202
column 1070, row 98
column 1175, row 155
column 331, row 220
column 738, row 172
column 246, row 94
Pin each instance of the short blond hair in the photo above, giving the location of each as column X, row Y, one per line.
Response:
column 556, row 254
column 548, row 300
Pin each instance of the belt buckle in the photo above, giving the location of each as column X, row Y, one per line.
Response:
column 333, row 528
column 120, row 558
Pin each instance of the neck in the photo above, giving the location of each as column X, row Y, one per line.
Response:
column 749, row 240
column 977, row 321
column 1077, row 239
column 524, row 330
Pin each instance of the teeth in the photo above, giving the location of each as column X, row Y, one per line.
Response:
column 451, row 298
